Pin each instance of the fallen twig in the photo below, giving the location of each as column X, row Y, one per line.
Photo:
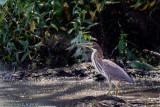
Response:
column 156, row 54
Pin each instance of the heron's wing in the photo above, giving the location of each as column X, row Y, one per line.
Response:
column 115, row 72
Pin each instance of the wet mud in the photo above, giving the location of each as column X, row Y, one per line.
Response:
column 77, row 86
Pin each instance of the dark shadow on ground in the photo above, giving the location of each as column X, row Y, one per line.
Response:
column 53, row 94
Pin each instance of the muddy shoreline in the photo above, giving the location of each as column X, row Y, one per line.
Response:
column 82, row 70
column 77, row 86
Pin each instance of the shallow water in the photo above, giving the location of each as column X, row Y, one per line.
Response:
column 64, row 91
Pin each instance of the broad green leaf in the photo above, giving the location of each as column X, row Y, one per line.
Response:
column 54, row 26
column 44, row 14
column 79, row 20
column 148, row 66
column 130, row 55
column 139, row 65
column 89, row 26
column 145, row 7
column 32, row 26
column 102, row 4
column 92, row 1
column 121, row 45
column 79, row 36
column 88, row 21
column 57, row 11
column 71, row 30
column 89, row 37
column 14, row 63
column 4, row 38
column 2, row 2
column 48, row 19
column 24, row 43
column 24, row 56
column 74, row 40
column 152, row 3
column 6, row 57
column 84, row 11
column 78, row 52
column 112, row 2
column 42, row 24
column 138, row 3
column 11, row 45
column 86, row 36
column 37, row 46
column 92, row 13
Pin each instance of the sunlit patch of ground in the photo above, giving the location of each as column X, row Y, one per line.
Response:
column 76, row 88
column 77, row 92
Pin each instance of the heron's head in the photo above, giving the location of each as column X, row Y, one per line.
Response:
column 91, row 45
column 94, row 46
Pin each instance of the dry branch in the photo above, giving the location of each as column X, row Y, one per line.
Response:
column 156, row 54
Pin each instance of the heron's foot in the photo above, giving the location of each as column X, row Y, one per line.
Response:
column 109, row 92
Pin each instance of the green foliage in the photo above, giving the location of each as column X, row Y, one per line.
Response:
column 144, row 4
column 28, row 26
column 126, row 54
column 40, row 31
column 139, row 65
column 80, row 28
column 80, row 25
column 123, row 49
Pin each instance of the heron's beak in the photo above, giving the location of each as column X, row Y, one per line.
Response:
column 80, row 44
column 84, row 44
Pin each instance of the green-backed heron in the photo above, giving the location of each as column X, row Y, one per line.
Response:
column 107, row 68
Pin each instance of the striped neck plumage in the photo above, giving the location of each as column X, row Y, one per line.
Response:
column 96, row 61
column 98, row 53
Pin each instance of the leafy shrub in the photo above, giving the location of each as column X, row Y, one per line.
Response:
column 40, row 31
column 27, row 27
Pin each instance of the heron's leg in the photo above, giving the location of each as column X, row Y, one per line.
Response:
column 110, row 88
column 116, row 89
column 109, row 92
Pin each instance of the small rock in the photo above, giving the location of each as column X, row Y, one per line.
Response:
column 62, row 73
column 18, row 74
column 50, row 71
column 80, row 73
column 40, row 73
column 34, row 75
column 67, row 69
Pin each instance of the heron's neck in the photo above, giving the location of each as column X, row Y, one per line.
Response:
column 96, row 61
column 97, row 53
column 95, row 56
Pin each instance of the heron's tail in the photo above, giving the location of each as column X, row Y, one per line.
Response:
column 131, row 81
